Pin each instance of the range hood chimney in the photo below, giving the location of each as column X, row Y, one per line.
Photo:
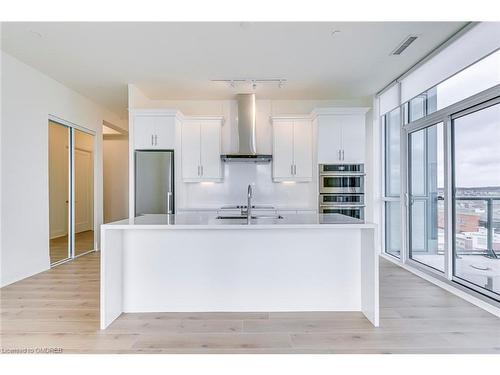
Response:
column 247, row 151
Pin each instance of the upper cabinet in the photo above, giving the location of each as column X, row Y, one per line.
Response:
column 292, row 149
column 154, row 130
column 341, row 135
column 201, row 149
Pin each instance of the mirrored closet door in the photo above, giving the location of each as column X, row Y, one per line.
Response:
column 59, row 192
column 84, row 192
column 71, row 192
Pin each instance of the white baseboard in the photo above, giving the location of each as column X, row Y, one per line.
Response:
column 446, row 286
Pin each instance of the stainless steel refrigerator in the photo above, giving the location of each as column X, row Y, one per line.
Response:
column 154, row 182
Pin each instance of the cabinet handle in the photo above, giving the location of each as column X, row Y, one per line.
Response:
column 198, row 170
column 342, row 154
column 291, row 169
column 156, row 140
column 294, row 169
column 202, row 170
column 152, row 138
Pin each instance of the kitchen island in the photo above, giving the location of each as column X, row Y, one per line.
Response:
column 198, row 263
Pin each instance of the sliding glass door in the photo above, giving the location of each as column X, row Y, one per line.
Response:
column 426, row 196
column 476, row 198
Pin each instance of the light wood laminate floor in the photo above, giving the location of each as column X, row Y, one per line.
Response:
column 84, row 241
column 60, row 309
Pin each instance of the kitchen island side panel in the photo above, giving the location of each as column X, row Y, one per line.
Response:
column 111, row 268
column 293, row 269
column 369, row 277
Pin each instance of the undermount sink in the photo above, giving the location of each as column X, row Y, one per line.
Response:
column 246, row 211
column 234, row 217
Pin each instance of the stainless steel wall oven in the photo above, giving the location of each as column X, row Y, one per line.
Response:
column 341, row 188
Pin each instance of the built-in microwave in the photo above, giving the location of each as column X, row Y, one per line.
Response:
column 343, row 169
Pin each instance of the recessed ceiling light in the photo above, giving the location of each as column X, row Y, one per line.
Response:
column 335, row 32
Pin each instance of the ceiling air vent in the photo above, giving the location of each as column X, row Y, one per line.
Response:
column 404, row 45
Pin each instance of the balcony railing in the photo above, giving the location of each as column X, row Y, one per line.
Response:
column 489, row 220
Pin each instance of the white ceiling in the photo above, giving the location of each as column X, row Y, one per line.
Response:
column 179, row 60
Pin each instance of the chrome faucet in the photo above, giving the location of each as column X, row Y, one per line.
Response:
column 249, row 203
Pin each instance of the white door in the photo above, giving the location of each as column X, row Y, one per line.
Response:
column 329, row 139
column 302, row 150
column 210, row 149
column 190, row 150
column 144, row 132
column 282, row 149
column 353, row 139
column 165, row 132
column 83, row 191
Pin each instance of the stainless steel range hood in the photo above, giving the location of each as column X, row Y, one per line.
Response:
column 247, row 151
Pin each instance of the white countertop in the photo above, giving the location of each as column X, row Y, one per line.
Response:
column 209, row 221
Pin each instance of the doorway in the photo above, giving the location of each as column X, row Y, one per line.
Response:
column 71, row 192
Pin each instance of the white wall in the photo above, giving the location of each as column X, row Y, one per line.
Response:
column 238, row 175
column 28, row 98
column 115, row 163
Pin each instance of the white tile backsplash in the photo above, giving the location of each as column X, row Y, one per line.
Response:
column 233, row 189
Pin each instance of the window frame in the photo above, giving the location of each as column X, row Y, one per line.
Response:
column 444, row 115
column 386, row 199
column 454, row 278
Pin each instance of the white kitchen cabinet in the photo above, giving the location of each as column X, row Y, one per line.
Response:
column 329, row 139
column 292, row 149
column 201, row 149
column 282, row 150
column 341, row 135
column 353, row 139
column 154, row 130
column 190, row 150
column 302, row 150
column 210, row 149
